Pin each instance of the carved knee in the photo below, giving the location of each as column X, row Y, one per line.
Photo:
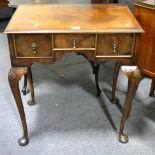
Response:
column 15, row 74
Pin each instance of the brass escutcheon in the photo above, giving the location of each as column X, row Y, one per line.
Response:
column 74, row 41
column 114, row 46
column 34, row 47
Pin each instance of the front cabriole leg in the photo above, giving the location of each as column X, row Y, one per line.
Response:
column 14, row 76
column 134, row 78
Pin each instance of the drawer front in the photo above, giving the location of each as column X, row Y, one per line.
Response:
column 115, row 44
column 33, row 45
column 74, row 41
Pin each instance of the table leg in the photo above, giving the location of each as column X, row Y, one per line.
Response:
column 95, row 71
column 134, row 78
column 30, row 79
column 114, row 99
column 24, row 90
column 95, row 68
column 14, row 76
column 152, row 88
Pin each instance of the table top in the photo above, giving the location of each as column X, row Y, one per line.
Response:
column 73, row 18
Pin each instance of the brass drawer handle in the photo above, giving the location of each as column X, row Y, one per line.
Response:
column 114, row 46
column 74, row 41
column 34, row 47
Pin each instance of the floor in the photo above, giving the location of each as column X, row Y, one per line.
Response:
column 68, row 118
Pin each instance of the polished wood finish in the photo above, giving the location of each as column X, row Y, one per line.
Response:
column 114, row 99
column 30, row 79
column 24, row 89
column 145, row 49
column 24, row 43
column 146, row 56
column 73, row 19
column 77, row 41
column 14, row 76
column 134, row 77
column 100, row 20
column 105, row 32
column 106, row 44
column 145, row 46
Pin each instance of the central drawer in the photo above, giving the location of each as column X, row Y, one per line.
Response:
column 74, row 41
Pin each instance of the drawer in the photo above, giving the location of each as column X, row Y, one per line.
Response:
column 74, row 41
column 33, row 45
column 115, row 44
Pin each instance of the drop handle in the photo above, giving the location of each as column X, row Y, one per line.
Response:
column 74, row 41
column 114, row 46
column 34, row 47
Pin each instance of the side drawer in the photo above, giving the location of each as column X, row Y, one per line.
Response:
column 72, row 41
column 115, row 44
column 33, row 45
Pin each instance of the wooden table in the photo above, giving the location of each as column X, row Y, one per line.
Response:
column 101, row 32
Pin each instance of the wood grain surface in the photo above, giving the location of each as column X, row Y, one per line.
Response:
column 87, row 18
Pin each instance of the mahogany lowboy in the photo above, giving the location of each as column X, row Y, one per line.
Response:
column 100, row 32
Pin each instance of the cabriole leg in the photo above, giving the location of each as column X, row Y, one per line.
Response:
column 24, row 90
column 114, row 99
column 30, row 79
column 134, row 78
column 95, row 68
column 152, row 88
column 14, row 76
